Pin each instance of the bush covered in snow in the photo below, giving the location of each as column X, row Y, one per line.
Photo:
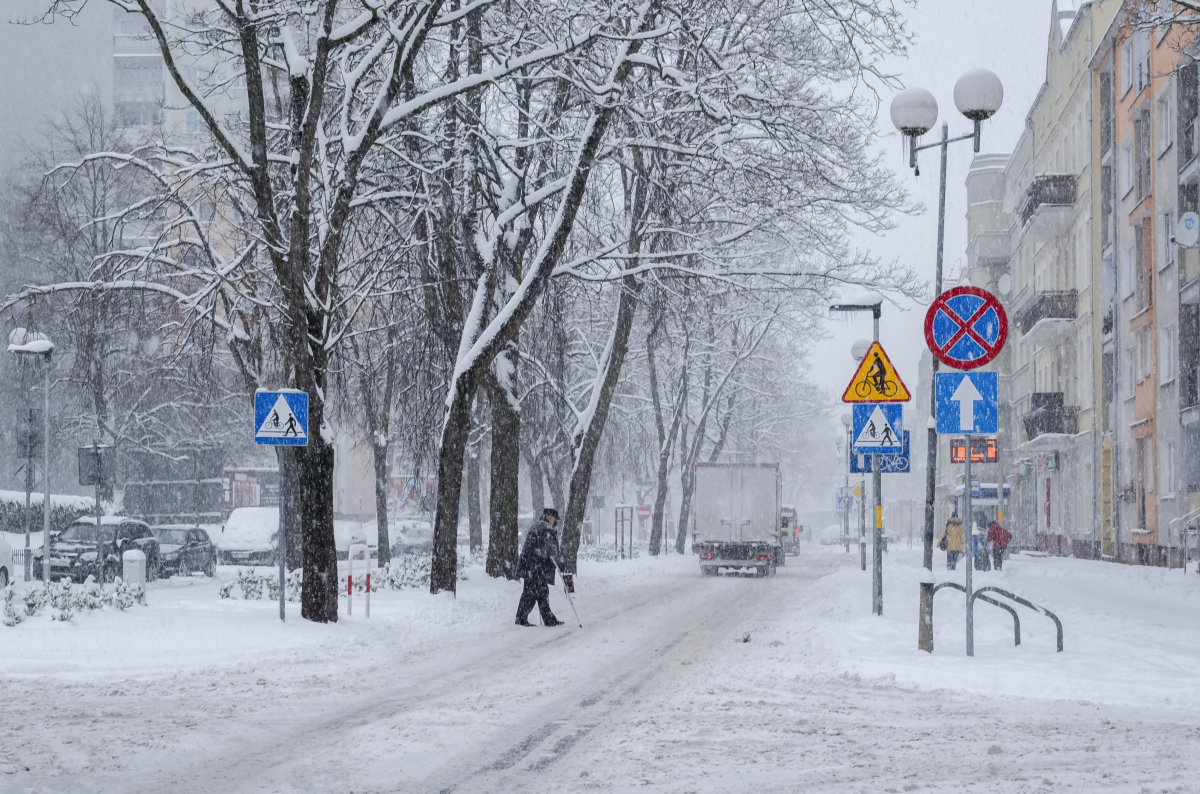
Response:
column 255, row 586
column 66, row 599
column 406, row 571
column 605, row 553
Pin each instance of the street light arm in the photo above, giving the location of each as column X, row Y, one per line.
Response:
column 936, row 144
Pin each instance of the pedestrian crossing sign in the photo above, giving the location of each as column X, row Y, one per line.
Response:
column 281, row 418
column 877, row 429
column 876, row 380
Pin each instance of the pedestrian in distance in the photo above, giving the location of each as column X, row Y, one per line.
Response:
column 999, row 537
column 539, row 558
column 952, row 542
column 979, row 548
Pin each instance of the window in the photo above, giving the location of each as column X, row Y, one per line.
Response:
column 1166, row 346
column 1138, row 265
column 142, row 74
column 1168, row 233
column 1149, row 467
column 1141, row 57
column 1166, row 474
column 1127, row 272
column 1126, row 183
column 1106, row 204
column 137, row 114
column 1126, row 66
column 1137, row 357
column 193, row 122
column 1141, row 153
column 1131, row 371
column 1189, row 94
column 1106, row 111
column 1147, row 354
column 1164, row 121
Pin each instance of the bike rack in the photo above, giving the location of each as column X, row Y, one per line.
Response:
column 993, row 602
column 1023, row 602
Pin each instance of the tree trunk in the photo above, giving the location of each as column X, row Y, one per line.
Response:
column 383, row 485
column 474, row 513
column 504, row 504
column 554, row 484
column 319, row 595
column 588, row 439
column 537, row 483
column 455, row 433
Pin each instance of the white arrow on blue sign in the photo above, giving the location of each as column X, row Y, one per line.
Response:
column 281, row 418
column 967, row 403
column 877, row 428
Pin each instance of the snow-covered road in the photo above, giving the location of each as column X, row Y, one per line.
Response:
column 657, row 692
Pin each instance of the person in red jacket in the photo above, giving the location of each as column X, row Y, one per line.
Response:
column 999, row 538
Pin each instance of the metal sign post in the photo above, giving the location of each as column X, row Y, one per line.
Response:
column 877, row 431
column 969, row 548
column 281, row 420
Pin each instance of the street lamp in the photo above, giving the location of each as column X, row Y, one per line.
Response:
column 32, row 343
column 874, row 305
column 978, row 94
column 848, row 421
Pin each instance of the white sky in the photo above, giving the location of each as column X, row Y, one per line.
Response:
column 951, row 36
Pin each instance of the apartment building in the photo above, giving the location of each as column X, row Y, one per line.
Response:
column 1147, row 83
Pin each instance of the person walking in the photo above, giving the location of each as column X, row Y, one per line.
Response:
column 999, row 537
column 952, row 542
column 539, row 558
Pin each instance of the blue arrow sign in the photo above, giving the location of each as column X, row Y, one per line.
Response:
column 877, row 429
column 281, row 418
column 967, row 403
column 892, row 464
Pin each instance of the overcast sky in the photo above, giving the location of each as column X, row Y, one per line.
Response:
column 1006, row 36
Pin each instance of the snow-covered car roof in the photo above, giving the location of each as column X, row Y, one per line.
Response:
column 250, row 529
column 106, row 520
column 347, row 532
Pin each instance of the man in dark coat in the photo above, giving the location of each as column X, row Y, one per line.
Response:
column 539, row 557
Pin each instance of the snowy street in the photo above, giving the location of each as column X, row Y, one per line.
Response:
column 658, row 692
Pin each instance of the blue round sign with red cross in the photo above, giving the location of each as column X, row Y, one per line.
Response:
column 966, row 327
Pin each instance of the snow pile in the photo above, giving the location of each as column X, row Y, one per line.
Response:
column 66, row 600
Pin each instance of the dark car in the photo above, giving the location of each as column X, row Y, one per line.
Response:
column 73, row 553
column 185, row 549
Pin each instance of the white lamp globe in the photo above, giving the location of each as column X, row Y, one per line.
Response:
column 847, row 419
column 914, row 111
column 859, row 349
column 978, row 94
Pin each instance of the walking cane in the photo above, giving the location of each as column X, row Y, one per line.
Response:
column 571, row 601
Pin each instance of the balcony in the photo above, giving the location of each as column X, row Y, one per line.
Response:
column 1050, row 417
column 1048, row 206
column 1045, row 319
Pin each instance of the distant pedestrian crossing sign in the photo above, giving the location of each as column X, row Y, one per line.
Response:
column 877, row 429
column 281, row 418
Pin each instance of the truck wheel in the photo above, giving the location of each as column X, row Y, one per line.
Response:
column 761, row 571
column 708, row 570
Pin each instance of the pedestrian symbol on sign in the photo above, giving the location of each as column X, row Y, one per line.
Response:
column 281, row 418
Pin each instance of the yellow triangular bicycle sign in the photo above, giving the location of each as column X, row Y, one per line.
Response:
column 876, row 380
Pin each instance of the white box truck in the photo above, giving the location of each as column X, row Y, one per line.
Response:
column 737, row 517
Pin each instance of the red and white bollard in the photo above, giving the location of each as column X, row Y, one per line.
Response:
column 368, row 593
column 350, row 592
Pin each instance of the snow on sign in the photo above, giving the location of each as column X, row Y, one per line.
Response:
column 966, row 327
column 876, row 380
column 877, row 429
column 967, row 402
column 281, row 418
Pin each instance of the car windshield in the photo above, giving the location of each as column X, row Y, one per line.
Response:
column 169, row 536
column 86, row 533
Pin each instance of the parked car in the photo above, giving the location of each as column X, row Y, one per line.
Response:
column 345, row 534
column 413, row 537
column 185, row 549
column 249, row 536
column 831, row 535
column 80, row 551
column 6, row 562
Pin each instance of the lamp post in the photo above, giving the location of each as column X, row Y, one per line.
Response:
column 848, row 421
column 875, row 306
column 978, row 94
column 32, row 343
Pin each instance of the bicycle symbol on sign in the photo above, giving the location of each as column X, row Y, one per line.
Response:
column 876, row 382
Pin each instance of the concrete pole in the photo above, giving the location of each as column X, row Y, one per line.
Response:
column 46, row 479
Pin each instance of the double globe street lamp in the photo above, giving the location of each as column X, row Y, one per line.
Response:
column 978, row 94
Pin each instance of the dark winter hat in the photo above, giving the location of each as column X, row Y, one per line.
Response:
column 549, row 512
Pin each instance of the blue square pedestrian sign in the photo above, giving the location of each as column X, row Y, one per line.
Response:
column 877, row 429
column 891, row 464
column 967, row 403
column 281, row 418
